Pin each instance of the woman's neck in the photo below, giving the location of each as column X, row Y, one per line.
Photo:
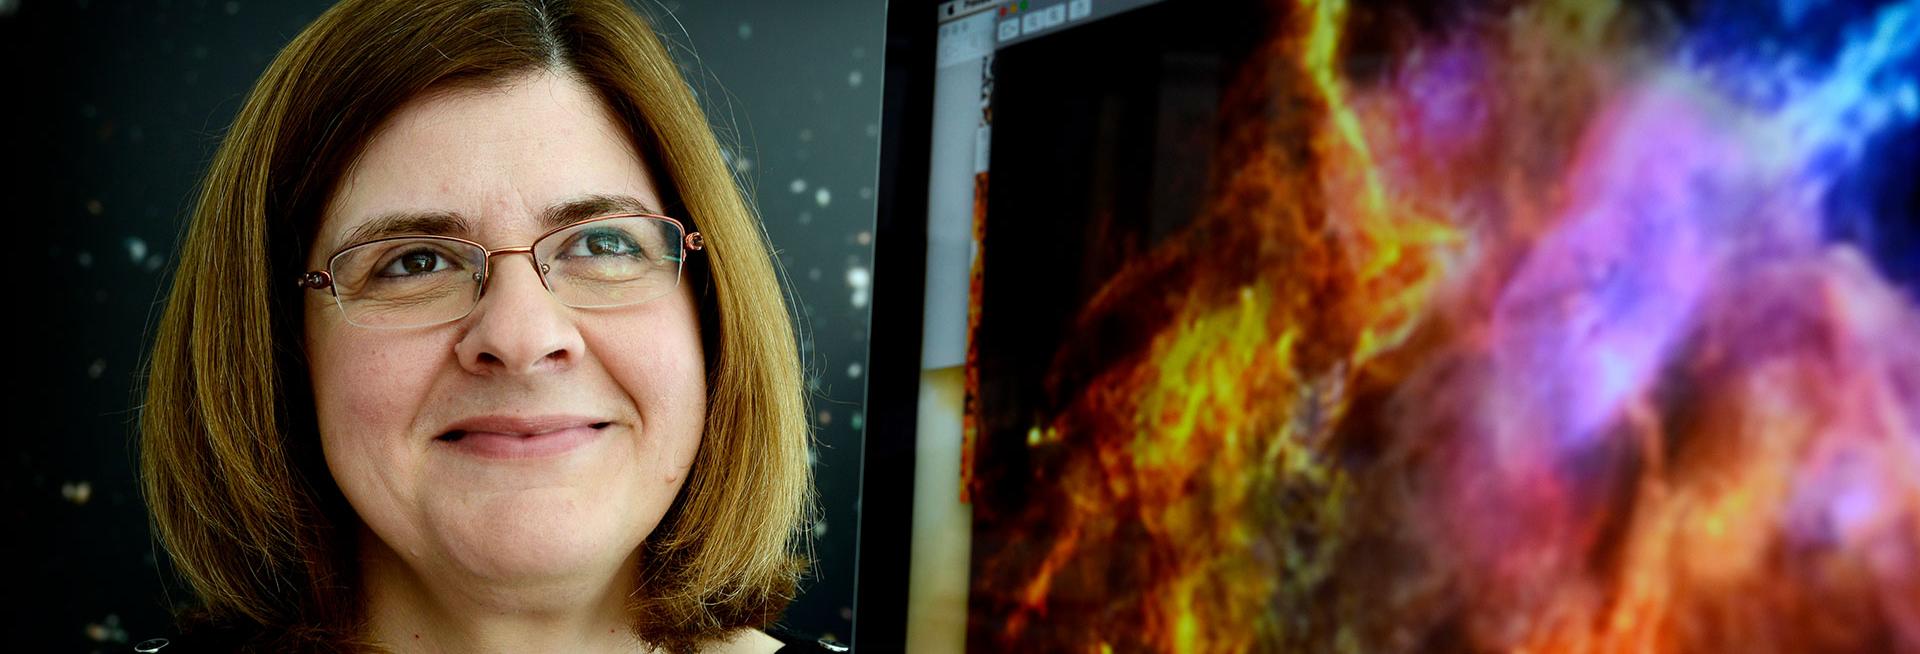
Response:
column 417, row 611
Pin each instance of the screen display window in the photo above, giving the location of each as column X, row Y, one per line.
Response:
column 1538, row 326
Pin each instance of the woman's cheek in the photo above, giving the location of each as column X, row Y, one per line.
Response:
column 371, row 390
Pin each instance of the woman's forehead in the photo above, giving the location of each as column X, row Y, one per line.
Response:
column 520, row 157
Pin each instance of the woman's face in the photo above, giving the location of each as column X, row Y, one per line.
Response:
column 576, row 427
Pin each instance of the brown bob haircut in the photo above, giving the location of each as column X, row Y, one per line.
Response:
column 230, row 457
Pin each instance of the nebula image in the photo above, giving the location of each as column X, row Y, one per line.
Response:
column 1554, row 326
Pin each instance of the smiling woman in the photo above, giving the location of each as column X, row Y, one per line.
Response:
column 369, row 426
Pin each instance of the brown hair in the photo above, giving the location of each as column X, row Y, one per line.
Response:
column 229, row 454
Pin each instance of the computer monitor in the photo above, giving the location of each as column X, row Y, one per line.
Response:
column 1210, row 325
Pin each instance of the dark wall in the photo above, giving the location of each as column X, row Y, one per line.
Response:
column 110, row 111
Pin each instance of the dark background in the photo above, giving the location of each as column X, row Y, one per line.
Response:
column 110, row 112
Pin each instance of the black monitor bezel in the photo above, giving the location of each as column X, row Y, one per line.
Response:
column 884, row 544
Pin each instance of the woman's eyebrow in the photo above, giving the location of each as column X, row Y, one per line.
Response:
column 410, row 223
column 568, row 212
column 448, row 223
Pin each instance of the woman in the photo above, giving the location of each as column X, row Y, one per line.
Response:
column 474, row 346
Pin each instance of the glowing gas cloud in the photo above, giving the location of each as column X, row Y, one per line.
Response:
column 1574, row 327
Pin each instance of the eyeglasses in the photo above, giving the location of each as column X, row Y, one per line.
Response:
column 417, row 281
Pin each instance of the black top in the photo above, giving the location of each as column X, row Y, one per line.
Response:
column 797, row 645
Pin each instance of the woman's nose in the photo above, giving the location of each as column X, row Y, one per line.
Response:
column 518, row 327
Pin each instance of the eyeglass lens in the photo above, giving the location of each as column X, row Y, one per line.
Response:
column 417, row 281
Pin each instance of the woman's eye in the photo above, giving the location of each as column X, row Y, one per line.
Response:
column 415, row 262
column 602, row 244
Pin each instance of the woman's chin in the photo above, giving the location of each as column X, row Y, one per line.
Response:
column 531, row 542
column 548, row 568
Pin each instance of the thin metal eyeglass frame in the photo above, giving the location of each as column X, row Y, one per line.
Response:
column 316, row 280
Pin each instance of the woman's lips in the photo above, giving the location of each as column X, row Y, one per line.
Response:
column 521, row 438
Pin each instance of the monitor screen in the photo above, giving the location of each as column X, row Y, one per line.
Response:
column 1398, row 326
